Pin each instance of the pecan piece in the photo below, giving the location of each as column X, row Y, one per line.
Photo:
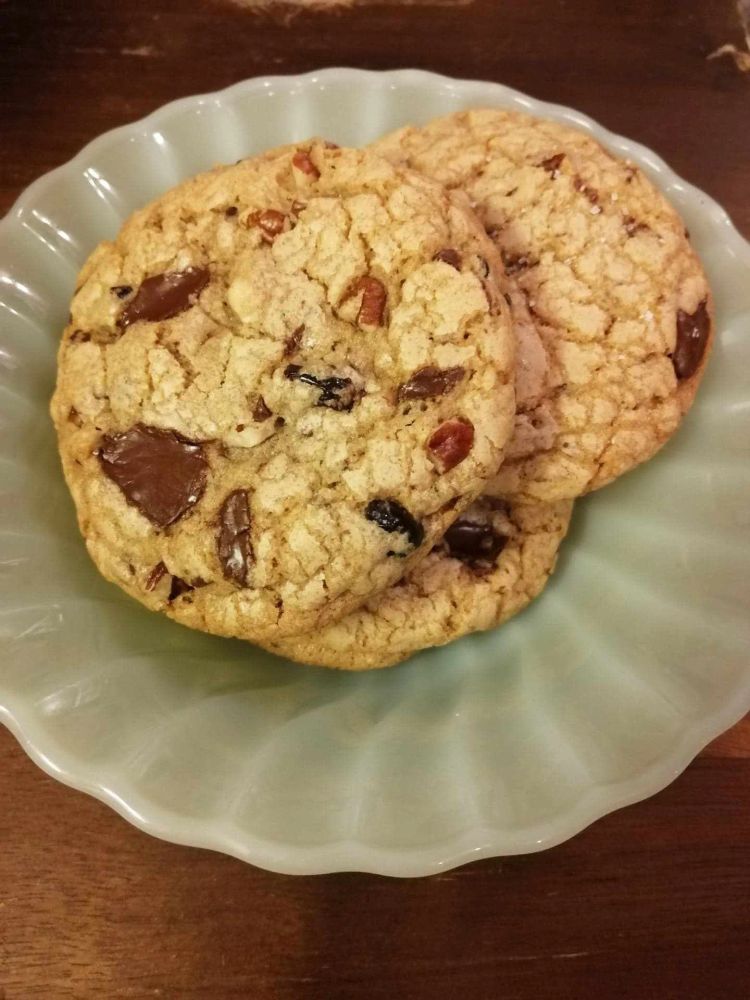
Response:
column 301, row 160
column 269, row 221
column 451, row 443
column 374, row 298
column 429, row 382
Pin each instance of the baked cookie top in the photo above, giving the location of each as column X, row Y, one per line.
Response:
column 614, row 308
column 489, row 565
column 280, row 384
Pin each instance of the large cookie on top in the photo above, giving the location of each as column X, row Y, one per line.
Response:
column 491, row 562
column 614, row 311
column 279, row 385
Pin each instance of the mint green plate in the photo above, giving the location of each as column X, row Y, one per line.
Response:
column 596, row 696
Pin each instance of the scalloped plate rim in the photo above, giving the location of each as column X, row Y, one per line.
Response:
column 339, row 855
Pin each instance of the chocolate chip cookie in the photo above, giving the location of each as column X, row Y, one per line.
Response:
column 613, row 304
column 490, row 563
column 279, row 386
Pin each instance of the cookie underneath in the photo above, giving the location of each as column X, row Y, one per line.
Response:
column 615, row 308
column 491, row 563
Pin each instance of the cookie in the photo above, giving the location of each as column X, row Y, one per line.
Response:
column 491, row 562
column 279, row 385
column 613, row 304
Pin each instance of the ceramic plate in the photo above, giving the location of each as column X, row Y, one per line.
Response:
column 508, row 742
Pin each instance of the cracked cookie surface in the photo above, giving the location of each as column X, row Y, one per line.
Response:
column 279, row 385
column 612, row 301
column 490, row 564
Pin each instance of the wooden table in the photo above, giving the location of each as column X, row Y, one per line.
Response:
column 653, row 902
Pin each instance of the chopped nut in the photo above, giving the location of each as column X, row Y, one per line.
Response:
column 301, row 160
column 374, row 298
column 451, row 443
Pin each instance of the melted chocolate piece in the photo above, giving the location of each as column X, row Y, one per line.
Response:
column 479, row 545
column 552, row 163
column 391, row 516
column 451, row 443
column 233, row 543
column 430, row 381
column 692, row 337
column 449, row 256
column 160, row 472
column 336, row 393
column 178, row 587
column 164, row 295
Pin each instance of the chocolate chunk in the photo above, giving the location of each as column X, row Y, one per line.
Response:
column 552, row 164
column 160, row 472
column 430, row 381
column 233, row 543
column 155, row 575
column 178, row 587
column 292, row 342
column 302, row 161
column 121, row 291
column 336, row 393
column 164, row 295
column 261, row 411
column 451, row 443
column 391, row 516
column 449, row 256
column 692, row 337
column 374, row 298
column 479, row 545
column 270, row 222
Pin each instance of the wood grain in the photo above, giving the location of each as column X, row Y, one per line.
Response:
column 651, row 902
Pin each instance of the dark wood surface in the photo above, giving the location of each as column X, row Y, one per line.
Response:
column 653, row 902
